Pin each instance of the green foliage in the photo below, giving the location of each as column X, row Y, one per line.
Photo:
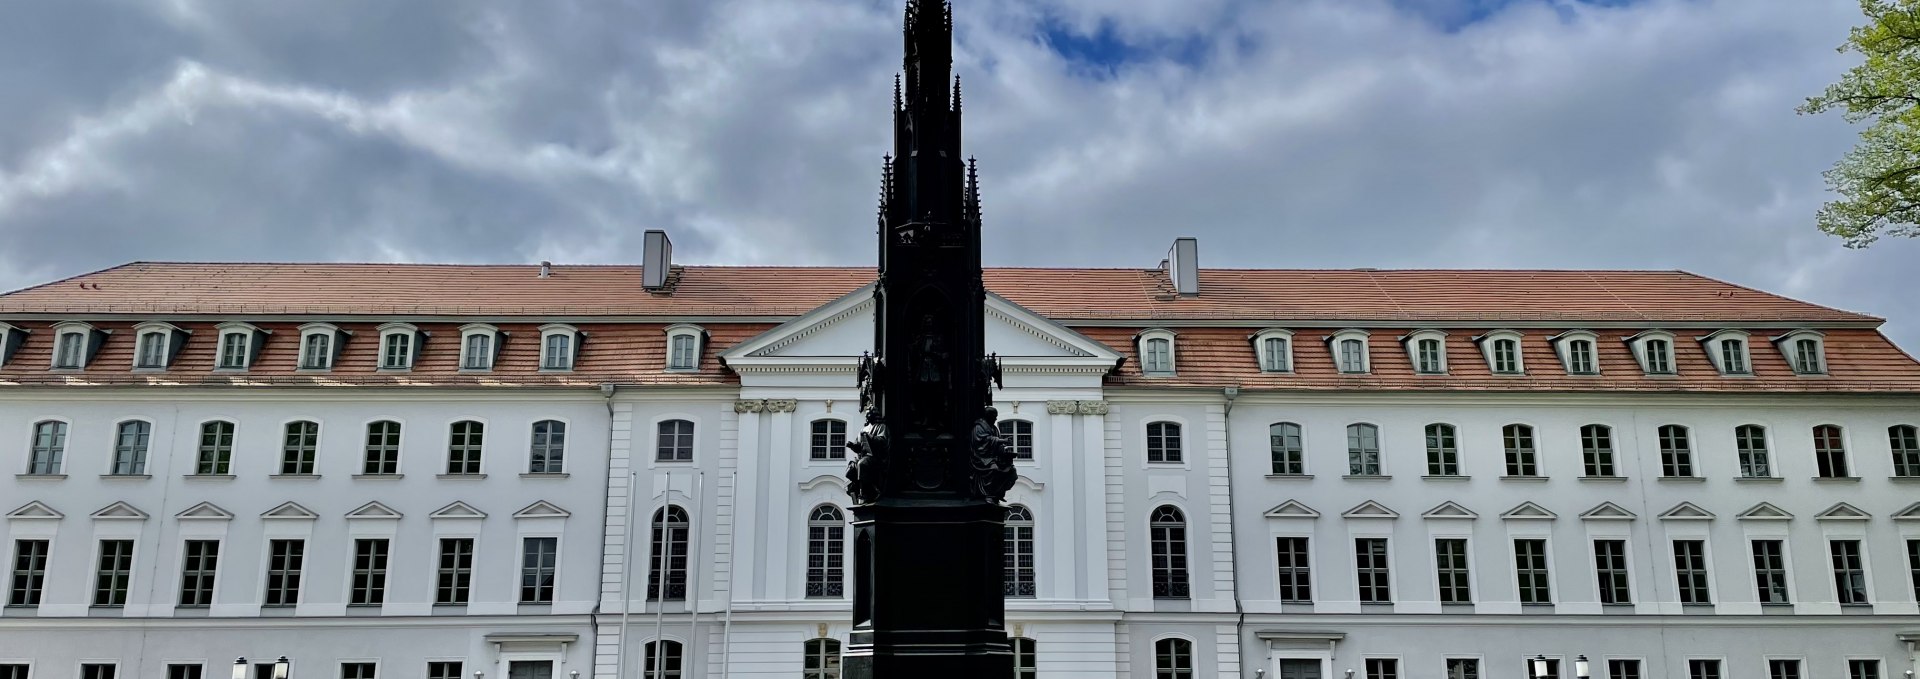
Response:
column 1879, row 180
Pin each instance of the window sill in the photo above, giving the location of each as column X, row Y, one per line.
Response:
column 378, row 477
column 139, row 369
column 312, row 371
column 65, row 369
column 297, row 477
column 534, row 607
column 460, row 477
column 1682, row 479
column 40, row 477
column 1757, row 479
column 544, row 475
column 1430, row 373
column 231, row 369
column 1604, row 479
column 208, row 477
column 127, row 477
column 1528, row 479
column 1446, row 477
column 1283, row 477
column 1367, row 477
column 1836, row 479
column 391, row 370
column 1904, row 479
column 475, row 371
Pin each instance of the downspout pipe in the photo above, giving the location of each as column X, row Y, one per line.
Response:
column 1226, row 421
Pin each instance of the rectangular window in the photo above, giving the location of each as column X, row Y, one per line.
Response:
column 1363, row 450
column 1274, row 358
column 1580, row 357
column 1770, row 571
column 683, row 355
column 1019, row 434
column 464, row 443
column 153, row 350
column 454, row 576
column 130, row 451
column 675, row 441
column 284, row 560
column 1913, row 566
column 1296, row 569
column 97, row 670
column 479, row 352
column 13, row 671
column 1829, row 452
column 1676, row 458
column 398, row 351
column 233, row 350
column 1849, row 572
column 383, row 449
column 549, row 448
column 1783, row 668
column 1450, row 559
column 1904, row 439
column 110, row 580
column 1443, row 452
column 1596, row 450
column 1690, row 570
column 1806, row 357
column 1463, row 668
column 1353, row 356
column 1288, row 452
column 1506, row 356
column 49, row 446
column 1522, row 459
column 444, row 669
column 180, row 671
column 829, row 439
column 1163, row 442
column 1383, row 668
column 1370, row 564
column 826, row 557
column 297, row 454
column 197, row 570
column 1658, row 358
column 356, row 670
column 1732, row 358
column 369, row 587
column 216, row 448
column 1623, row 668
column 1429, row 354
column 1530, row 567
column 29, row 575
column 1863, row 669
column 559, row 352
column 1610, row 567
column 538, row 557
column 318, row 353
column 1752, row 442
column 71, row 345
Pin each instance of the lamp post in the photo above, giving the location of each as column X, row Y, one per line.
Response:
column 1540, row 667
column 240, row 667
column 1581, row 669
column 281, row 667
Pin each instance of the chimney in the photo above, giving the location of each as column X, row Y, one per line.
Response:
column 657, row 261
column 546, row 269
column 1183, row 265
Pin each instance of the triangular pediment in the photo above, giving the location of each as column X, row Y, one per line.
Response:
column 205, row 511
column 1292, row 509
column 457, row 510
column 1765, row 511
column 1686, row 511
column 843, row 329
column 1450, row 510
column 1842, row 512
column 374, row 510
column 1607, row 511
column 1529, row 510
column 1370, row 510
column 1909, row 513
column 34, row 510
column 542, row 510
column 289, row 510
column 120, row 510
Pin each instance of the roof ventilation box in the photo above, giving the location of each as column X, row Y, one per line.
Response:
column 658, row 260
column 1183, row 265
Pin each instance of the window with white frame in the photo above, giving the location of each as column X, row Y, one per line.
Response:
column 198, row 569
column 669, row 552
column 1451, row 570
column 1295, row 567
column 684, row 346
column 1156, row 352
column 1770, row 571
column 317, row 346
column 1427, row 349
column 539, row 562
column 1751, row 442
column 1728, row 351
column 383, row 449
column 479, row 345
column 397, row 346
column 1610, row 570
column 236, row 346
column 1443, row 451
column 822, row 659
column 827, row 439
column 1026, row 664
column 826, row 553
column 1849, row 572
column 286, row 561
column 1676, row 452
column 216, row 448
column 1275, row 348
column 1904, row 440
column 1019, row 580
column 114, row 574
column 1690, row 572
column 1805, row 351
column 1502, row 350
column 1577, row 352
column 663, row 660
column 299, row 446
column 1530, row 571
column 1863, row 668
column 549, row 448
column 675, row 441
column 1019, row 435
column 1522, row 458
column 48, row 449
column 1173, row 659
column 1372, row 574
column 1596, row 451
column 1653, row 350
column 1829, row 452
column 1363, row 450
column 73, row 343
column 368, row 585
column 1350, row 351
column 1163, row 442
column 150, row 345
column 1289, row 453
column 465, row 441
column 1167, row 535
column 557, row 346
column 130, row 447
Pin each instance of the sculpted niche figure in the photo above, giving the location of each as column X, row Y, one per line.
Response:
column 865, row 467
column 992, row 458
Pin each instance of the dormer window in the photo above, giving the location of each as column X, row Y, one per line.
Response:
column 399, row 343
column 1805, row 350
column 74, row 344
column 11, row 339
column 239, row 343
column 684, row 346
column 1350, row 351
column 155, row 344
column 558, row 343
column 1427, row 349
column 1274, row 348
column 1502, row 351
column 1576, row 348
column 1156, row 352
column 1653, row 349
column 319, row 345
column 479, row 346
column 1728, row 351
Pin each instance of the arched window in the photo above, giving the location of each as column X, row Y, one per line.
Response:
column 152, row 350
column 1019, row 553
column 662, row 660
column 823, row 659
column 669, row 554
column 1173, row 659
column 1904, row 440
column 1751, row 440
column 1596, row 450
column 1163, row 442
column 1363, row 450
column 549, row 454
column 49, row 446
column 1522, row 458
column 1443, row 451
column 216, row 448
column 1289, row 455
column 383, row 448
column 130, row 447
column 298, row 449
column 826, row 553
column 1829, row 452
column 1019, row 435
column 1676, row 453
column 829, row 440
column 1025, row 658
column 675, row 441
column 1168, row 533
column 464, row 441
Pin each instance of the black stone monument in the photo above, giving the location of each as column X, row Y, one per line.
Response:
column 929, row 468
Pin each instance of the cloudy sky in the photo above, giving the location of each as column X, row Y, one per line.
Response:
column 1648, row 134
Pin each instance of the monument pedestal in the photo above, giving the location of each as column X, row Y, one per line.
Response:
column 936, row 610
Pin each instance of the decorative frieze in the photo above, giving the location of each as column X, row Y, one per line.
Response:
column 782, row 405
column 749, row 406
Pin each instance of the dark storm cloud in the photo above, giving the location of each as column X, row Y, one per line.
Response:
column 1658, row 134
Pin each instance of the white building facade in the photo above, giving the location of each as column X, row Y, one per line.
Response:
column 531, row 473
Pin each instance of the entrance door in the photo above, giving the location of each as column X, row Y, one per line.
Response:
column 530, row 669
column 1297, row 668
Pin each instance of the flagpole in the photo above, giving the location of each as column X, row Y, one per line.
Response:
column 733, row 575
column 693, row 558
column 660, row 576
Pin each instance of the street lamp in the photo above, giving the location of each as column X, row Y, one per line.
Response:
column 1540, row 667
column 280, row 668
column 240, row 667
column 1580, row 668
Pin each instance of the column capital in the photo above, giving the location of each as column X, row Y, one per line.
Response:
column 1093, row 407
column 749, row 406
column 782, row 405
column 1063, row 407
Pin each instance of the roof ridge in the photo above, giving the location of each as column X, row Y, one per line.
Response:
column 1776, row 295
column 1610, row 293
